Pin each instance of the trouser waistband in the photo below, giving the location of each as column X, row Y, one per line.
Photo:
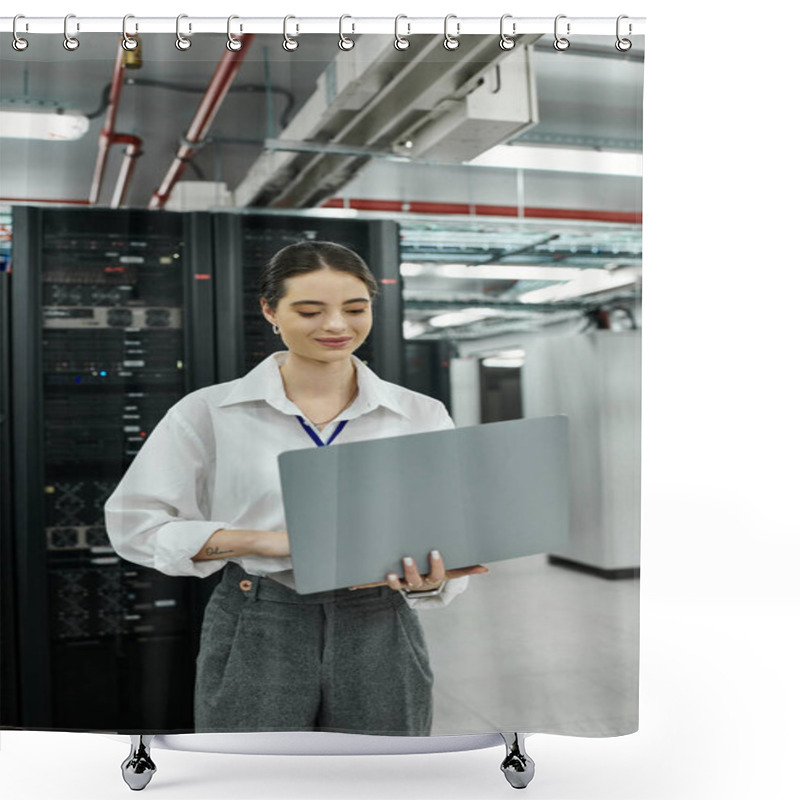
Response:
column 264, row 588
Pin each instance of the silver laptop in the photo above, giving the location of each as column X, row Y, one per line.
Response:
column 479, row 494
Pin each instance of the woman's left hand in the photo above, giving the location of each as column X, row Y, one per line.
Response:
column 412, row 581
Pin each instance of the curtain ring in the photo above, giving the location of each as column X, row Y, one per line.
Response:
column 344, row 42
column 507, row 42
column 128, row 43
column 70, row 42
column 400, row 42
column 233, row 44
column 561, row 43
column 19, row 44
column 623, row 45
column 181, row 42
column 451, row 42
column 289, row 44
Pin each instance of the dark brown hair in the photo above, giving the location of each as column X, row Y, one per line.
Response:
column 303, row 257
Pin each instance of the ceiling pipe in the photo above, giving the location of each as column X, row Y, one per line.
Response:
column 466, row 209
column 132, row 152
column 108, row 138
column 107, row 134
column 207, row 110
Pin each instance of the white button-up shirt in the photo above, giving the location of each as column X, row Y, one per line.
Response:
column 212, row 463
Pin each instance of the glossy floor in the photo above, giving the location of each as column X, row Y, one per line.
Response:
column 537, row 647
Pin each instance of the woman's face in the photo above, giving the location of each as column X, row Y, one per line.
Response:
column 324, row 315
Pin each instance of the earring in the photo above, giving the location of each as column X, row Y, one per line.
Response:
column 275, row 329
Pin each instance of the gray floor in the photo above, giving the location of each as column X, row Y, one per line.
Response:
column 537, row 648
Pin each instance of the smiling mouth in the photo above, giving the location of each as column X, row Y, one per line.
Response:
column 344, row 340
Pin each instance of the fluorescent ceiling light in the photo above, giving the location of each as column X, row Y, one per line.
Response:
column 506, row 354
column 462, row 317
column 41, row 123
column 411, row 270
column 562, row 159
column 412, row 329
column 590, row 281
column 505, row 358
column 491, row 272
column 338, row 213
column 503, row 362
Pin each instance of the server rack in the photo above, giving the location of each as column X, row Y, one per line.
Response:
column 9, row 676
column 114, row 315
column 427, row 368
column 107, row 331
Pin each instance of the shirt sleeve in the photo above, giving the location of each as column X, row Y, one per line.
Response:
column 451, row 589
column 442, row 419
column 154, row 517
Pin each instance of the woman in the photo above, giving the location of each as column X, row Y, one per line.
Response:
column 203, row 494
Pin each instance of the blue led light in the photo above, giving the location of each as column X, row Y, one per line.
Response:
column 103, row 372
column 77, row 380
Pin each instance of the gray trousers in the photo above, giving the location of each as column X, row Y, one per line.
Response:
column 345, row 661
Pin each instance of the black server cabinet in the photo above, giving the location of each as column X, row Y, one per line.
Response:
column 114, row 315
column 9, row 673
column 111, row 323
column 243, row 245
column 428, row 368
column 501, row 393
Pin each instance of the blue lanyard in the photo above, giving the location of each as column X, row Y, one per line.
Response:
column 313, row 434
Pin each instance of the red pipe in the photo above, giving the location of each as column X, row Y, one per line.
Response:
column 424, row 207
column 107, row 134
column 108, row 138
column 206, row 112
column 132, row 152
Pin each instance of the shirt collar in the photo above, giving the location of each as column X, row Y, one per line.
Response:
column 264, row 382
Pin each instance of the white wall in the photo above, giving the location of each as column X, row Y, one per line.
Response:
column 595, row 379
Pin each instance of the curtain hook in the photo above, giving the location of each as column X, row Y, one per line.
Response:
column 507, row 42
column 70, row 42
column 623, row 45
column 181, row 42
column 561, row 43
column 344, row 42
column 19, row 44
column 400, row 42
column 289, row 44
column 451, row 42
column 233, row 44
column 128, row 42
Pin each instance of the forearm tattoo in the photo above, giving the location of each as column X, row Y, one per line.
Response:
column 211, row 552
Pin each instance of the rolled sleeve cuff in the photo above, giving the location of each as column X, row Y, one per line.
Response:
column 452, row 588
column 177, row 542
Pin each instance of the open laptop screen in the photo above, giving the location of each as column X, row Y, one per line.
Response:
column 478, row 494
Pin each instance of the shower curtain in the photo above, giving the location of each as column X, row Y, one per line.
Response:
column 495, row 192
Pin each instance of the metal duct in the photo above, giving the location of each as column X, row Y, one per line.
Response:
column 379, row 98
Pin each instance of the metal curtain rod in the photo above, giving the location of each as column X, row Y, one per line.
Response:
column 459, row 26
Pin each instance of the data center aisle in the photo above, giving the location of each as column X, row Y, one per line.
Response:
column 568, row 667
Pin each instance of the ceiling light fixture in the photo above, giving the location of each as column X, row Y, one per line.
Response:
column 413, row 329
column 490, row 272
column 411, row 270
column 42, row 123
column 497, row 361
column 562, row 159
column 590, row 281
column 463, row 317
